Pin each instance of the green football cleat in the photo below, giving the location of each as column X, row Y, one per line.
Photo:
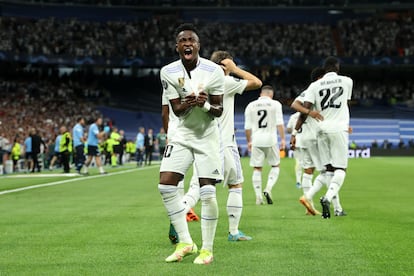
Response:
column 172, row 235
column 205, row 257
column 182, row 250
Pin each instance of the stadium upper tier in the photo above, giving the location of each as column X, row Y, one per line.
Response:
column 224, row 3
column 125, row 37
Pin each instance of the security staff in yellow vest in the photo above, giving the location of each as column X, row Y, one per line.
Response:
column 116, row 146
column 130, row 150
column 16, row 153
column 65, row 148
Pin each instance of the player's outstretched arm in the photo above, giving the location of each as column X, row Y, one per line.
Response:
column 253, row 82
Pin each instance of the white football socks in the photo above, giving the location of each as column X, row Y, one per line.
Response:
column 336, row 183
column 209, row 216
column 272, row 178
column 193, row 194
column 257, row 183
column 298, row 171
column 180, row 188
column 306, row 182
column 176, row 211
column 234, row 209
column 317, row 185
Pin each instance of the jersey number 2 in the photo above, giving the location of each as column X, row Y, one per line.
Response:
column 262, row 116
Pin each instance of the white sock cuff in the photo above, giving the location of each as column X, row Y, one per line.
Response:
column 340, row 174
column 207, row 192
column 167, row 188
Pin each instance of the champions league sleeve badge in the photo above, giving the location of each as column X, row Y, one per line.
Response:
column 164, row 84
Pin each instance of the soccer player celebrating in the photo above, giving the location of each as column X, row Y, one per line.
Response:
column 233, row 174
column 298, row 167
column 194, row 87
column 262, row 117
column 330, row 96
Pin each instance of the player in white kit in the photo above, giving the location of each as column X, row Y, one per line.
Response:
column 262, row 118
column 330, row 96
column 298, row 168
column 305, row 141
column 233, row 174
column 194, row 87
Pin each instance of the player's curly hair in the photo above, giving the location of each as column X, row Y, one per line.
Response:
column 218, row 56
column 331, row 64
column 186, row 27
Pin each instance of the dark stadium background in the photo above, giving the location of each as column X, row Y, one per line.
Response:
column 373, row 39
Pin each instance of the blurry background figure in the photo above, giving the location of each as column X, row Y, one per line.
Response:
column 122, row 149
column 149, row 146
column 65, row 148
column 161, row 141
column 139, row 145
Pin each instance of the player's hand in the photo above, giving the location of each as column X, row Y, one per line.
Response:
column 191, row 100
column 202, row 98
column 249, row 146
column 228, row 65
column 282, row 144
column 292, row 142
column 316, row 115
column 350, row 130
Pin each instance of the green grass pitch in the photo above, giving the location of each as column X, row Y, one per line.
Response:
column 117, row 225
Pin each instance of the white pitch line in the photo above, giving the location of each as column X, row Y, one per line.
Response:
column 69, row 180
column 42, row 175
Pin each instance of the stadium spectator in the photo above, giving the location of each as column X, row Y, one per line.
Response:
column 161, row 141
column 149, row 142
column 140, row 146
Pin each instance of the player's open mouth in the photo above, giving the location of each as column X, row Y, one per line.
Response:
column 188, row 52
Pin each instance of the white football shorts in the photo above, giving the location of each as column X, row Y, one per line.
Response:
column 233, row 173
column 180, row 155
column 259, row 154
column 333, row 149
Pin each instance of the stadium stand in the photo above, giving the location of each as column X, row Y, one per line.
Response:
column 103, row 57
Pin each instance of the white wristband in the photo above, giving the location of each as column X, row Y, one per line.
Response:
column 206, row 107
column 294, row 132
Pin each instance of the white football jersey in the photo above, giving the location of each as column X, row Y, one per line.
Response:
column 291, row 124
column 330, row 96
column 232, row 86
column 172, row 118
column 292, row 120
column 310, row 126
column 262, row 116
column 206, row 76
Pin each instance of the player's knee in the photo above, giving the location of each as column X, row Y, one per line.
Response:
column 235, row 186
column 309, row 170
column 170, row 178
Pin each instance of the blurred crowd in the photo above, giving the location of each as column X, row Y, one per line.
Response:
column 44, row 105
column 152, row 38
column 377, row 37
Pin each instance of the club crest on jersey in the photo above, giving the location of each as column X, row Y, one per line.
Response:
column 181, row 82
